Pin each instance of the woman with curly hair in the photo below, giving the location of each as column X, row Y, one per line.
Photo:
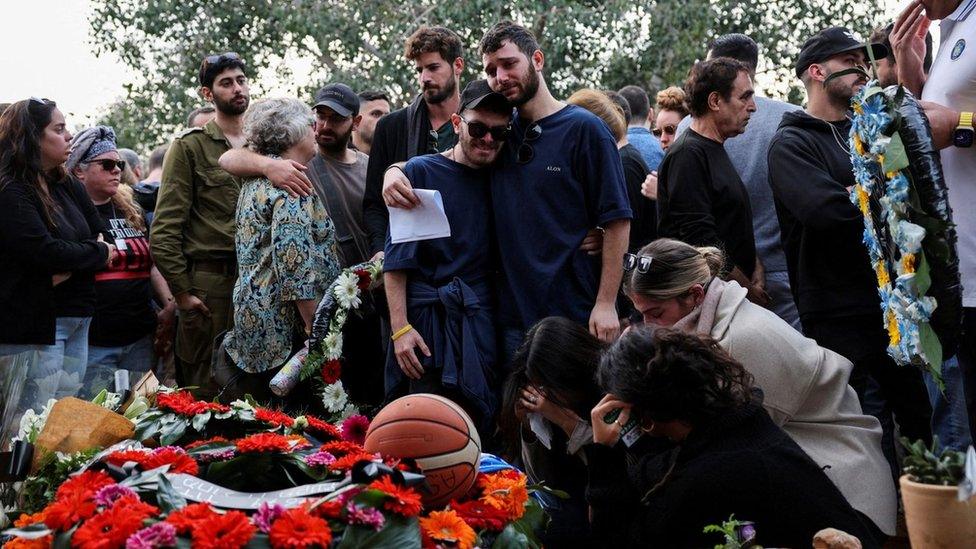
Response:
column 724, row 456
column 671, row 110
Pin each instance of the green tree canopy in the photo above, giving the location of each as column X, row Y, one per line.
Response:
column 600, row 43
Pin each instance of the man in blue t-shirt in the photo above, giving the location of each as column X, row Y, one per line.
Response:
column 441, row 291
column 560, row 176
column 638, row 132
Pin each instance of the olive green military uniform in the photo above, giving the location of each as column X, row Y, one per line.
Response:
column 192, row 241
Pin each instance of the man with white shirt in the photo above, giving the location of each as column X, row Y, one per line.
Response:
column 949, row 98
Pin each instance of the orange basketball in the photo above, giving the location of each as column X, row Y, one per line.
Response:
column 435, row 432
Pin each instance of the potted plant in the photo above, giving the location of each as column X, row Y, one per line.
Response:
column 929, row 489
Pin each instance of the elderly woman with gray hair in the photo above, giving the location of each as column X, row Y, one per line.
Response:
column 286, row 256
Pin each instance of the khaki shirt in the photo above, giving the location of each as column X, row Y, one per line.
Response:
column 197, row 205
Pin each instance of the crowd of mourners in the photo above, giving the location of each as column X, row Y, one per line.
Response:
column 662, row 307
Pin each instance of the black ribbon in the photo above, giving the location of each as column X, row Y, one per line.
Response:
column 15, row 464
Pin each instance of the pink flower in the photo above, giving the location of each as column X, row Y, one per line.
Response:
column 108, row 495
column 267, row 514
column 319, row 459
column 366, row 516
column 354, row 428
column 161, row 534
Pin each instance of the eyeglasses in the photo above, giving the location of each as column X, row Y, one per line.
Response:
column 525, row 151
column 432, row 141
column 669, row 129
column 108, row 164
column 480, row 129
column 227, row 56
column 640, row 262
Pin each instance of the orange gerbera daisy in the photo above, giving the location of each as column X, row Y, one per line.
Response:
column 505, row 491
column 26, row 520
column 322, row 429
column 263, row 442
column 21, row 543
column 448, row 526
column 401, row 500
column 273, row 417
column 298, row 529
column 346, row 462
column 339, row 448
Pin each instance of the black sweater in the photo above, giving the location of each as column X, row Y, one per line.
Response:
column 30, row 254
column 399, row 136
column 701, row 200
column 809, row 172
column 743, row 464
column 643, row 226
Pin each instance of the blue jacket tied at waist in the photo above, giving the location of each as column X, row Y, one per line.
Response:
column 456, row 322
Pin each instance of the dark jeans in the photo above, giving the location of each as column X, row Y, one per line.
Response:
column 967, row 364
column 862, row 341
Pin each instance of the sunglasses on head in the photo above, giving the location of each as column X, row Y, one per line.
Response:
column 41, row 100
column 432, row 141
column 669, row 129
column 227, row 56
column 480, row 129
column 525, row 151
column 640, row 262
column 108, row 164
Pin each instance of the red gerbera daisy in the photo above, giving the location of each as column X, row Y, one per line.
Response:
column 323, row 429
column 183, row 403
column 125, row 456
column 68, row 509
column 200, row 443
column 186, row 518
column 354, row 429
column 273, row 417
column 346, row 462
column 110, row 528
column 231, row 530
column 87, row 483
column 263, row 442
column 297, row 529
column 176, row 458
column 480, row 515
column 401, row 500
column 364, row 279
column 339, row 448
column 331, row 371
column 328, row 509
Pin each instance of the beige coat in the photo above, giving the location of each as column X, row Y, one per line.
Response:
column 807, row 394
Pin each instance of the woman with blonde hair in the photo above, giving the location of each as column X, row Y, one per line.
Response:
column 643, row 226
column 670, row 111
column 679, row 286
column 122, row 331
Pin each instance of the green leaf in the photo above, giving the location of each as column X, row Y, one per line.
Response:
column 399, row 532
column 923, row 275
column 895, row 157
column 932, row 348
column 166, row 496
column 172, row 432
column 260, row 540
column 511, row 538
column 200, row 421
column 63, row 539
column 532, row 522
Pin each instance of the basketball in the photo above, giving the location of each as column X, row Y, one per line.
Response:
column 435, row 432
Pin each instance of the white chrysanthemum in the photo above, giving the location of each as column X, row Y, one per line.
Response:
column 349, row 410
column 240, row 404
column 112, row 401
column 334, row 397
column 347, row 292
column 909, row 237
column 332, row 345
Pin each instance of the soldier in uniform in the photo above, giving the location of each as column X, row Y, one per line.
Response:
column 192, row 236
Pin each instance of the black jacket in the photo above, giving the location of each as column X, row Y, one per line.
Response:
column 809, row 172
column 399, row 136
column 30, row 254
column 742, row 464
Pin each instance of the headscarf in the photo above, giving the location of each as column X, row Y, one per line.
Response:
column 90, row 143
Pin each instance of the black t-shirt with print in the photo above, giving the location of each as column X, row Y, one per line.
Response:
column 123, row 312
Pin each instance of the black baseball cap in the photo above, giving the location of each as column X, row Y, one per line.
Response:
column 830, row 42
column 478, row 95
column 338, row 97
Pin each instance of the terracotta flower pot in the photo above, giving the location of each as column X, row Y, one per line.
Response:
column 936, row 519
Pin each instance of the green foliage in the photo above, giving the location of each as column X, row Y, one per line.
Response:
column 929, row 466
column 52, row 471
column 730, row 529
column 608, row 44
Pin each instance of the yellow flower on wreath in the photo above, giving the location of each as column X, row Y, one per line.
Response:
column 863, row 200
column 894, row 336
column 448, row 526
column 505, row 492
column 882, row 272
column 908, row 263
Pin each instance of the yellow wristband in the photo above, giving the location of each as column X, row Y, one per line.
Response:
column 399, row 333
column 965, row 120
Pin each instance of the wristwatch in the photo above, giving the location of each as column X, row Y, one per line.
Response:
column 964, row 134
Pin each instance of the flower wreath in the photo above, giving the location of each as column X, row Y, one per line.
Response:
column 323, row 361
column 907, row 224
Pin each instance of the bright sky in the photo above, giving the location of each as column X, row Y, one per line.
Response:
column 46, row 52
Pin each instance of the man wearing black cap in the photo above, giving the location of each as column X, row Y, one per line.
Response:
column 440, row 291
column 830, row 274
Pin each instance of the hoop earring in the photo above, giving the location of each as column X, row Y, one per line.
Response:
column 648, row 430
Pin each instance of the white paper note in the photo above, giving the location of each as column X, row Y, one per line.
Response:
column 423, row 222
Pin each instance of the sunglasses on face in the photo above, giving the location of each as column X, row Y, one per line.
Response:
column 108, row 164
column 669, row 129
column 480, row 129
column 640, row 262
column 525, row 151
